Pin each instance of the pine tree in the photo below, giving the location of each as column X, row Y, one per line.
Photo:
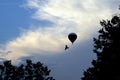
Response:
column 107, row 49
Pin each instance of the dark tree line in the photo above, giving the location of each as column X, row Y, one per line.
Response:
column 107, row 49
column 28, row 71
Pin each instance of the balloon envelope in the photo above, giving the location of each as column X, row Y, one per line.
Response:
column 72, row 37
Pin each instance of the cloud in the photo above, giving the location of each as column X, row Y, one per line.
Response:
column 80, row 16
column 34, row 41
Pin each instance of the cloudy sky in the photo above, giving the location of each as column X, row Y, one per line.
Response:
column 38, row 30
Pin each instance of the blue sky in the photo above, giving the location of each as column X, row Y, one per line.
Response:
column 38, row 29
column 12, row 17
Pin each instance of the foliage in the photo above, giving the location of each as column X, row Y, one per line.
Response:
column 107, row 49
column 28, row 71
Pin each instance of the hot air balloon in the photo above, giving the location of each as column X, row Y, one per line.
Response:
column 72, row 37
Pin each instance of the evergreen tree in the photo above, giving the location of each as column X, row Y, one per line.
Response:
column 28, row 71
column 107, row 49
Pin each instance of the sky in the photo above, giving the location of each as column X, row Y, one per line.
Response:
column 38, row 30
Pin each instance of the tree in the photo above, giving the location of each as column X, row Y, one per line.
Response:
column 28, row 71
column 107, row 49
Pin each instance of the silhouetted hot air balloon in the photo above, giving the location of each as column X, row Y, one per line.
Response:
column 72, row 37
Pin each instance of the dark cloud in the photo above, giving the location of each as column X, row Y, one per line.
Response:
column 70, row 64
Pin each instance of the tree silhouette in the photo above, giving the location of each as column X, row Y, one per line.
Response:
column 107, row 49
column 28, row 71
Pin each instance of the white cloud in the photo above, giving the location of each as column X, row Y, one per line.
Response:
column 80, row 16
column 35, row 41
